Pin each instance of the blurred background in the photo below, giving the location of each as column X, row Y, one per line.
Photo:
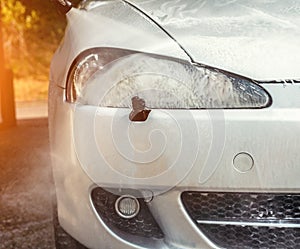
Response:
column 31, row 32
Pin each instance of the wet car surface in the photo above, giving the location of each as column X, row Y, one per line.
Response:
column 184, row 131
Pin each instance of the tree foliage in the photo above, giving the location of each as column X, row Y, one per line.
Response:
column 32, row 30
column 16, row 20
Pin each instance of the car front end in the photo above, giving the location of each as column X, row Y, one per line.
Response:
column 164, row 139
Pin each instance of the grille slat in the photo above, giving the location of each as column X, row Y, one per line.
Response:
column 243, row 207
column 246, row 220
column 251, row 237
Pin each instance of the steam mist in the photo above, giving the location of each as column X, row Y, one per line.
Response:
column 25, row 187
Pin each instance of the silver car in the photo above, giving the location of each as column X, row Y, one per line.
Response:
column 176, row 124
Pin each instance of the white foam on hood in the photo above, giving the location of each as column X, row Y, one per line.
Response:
column 258, row 39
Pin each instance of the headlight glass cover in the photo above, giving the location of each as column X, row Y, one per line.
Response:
column 110, row 77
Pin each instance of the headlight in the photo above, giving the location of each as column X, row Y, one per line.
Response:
column 111, row 77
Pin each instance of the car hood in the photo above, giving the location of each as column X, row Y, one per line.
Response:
column 259, row 39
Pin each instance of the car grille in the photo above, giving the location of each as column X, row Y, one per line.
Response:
column 143, row 225
column 246, row 220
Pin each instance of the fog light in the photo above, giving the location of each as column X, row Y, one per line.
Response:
column 127, row 206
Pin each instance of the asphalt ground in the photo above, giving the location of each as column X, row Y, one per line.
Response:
column 26, row 186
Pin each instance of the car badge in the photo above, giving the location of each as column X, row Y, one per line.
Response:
column 139, row 112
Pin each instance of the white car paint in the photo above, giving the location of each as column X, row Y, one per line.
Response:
column 258, row 39
column 89, row 147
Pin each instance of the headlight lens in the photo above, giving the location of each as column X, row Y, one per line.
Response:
column 111, row 77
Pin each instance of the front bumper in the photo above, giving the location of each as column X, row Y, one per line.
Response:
column 199, row 150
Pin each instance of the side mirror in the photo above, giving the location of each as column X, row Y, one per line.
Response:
column 63, row 6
